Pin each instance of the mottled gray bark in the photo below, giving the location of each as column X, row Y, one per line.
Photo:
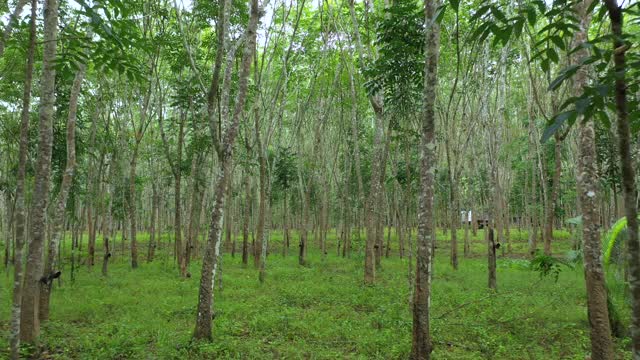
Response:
column 30, row 322
column 176, row 170
column 588, row 183
column 421, row 349
column 20, row 189
column 209, row 263
column 57, row 221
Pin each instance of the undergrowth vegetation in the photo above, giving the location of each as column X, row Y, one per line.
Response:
column 321, row 311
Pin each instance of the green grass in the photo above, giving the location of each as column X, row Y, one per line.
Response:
column 322, row 311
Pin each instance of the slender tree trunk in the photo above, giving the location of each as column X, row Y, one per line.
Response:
column 51, row 266
column 467, row 240
column 553, row 199
column 265, row 237
column 533, row 229
column 194, row 211
column 91, row 245
column 154, row 219
column 20, row 190
column 285, row 225
column 9, row 250
column 212, row 251
column 228, row 223
column 304, row 224
column 629, row 189
column 262, row 188
column 261, row 216
column 421, row 349
column 371, row 204
column 507, row 226
column 180, row 251
column 108, row 233
column 454, row 218
column 132, row 206
column 30, row 322
column 491, row 256
column 324, row 223
column 245, row 223
column 176, row 169
column 601, row 346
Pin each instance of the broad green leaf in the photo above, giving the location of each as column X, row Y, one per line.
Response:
column 556, row 124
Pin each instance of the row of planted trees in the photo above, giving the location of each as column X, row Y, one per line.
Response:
column 345, row 118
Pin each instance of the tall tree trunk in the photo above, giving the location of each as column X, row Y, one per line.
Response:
column 245, row 222
column 454, row 218
column 262, row 194
column 304, row 221
column 421, row 349
column 50, row 271
column 108, row 234
column 265, row 238
column 601, row 346
column 491, row 257
column 176, row 170
column 467, row 240
column 20, row 189
column 193, row 205
column 372, row 208
column 178, row 203
column 91, row 245
column 92, row 221
column 154, row 219
column 533, row 229
column 285, row 226
column 629, row 189
column 324, row 216
column 262, row 186
column 212, row 251
column 553, row 199
column 132, row 206
column 30, row 322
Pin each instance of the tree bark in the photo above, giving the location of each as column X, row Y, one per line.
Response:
column 421, row 349
column 20, row 189
column 178, row 204
column 195, row 211
column 601, row 345
column 154, row 219
column 209, row 263
column 51, row 265
column 176, row 170
column 245, row 223
column 491, row 256
column 629, row 189
column 30, row 322
column 132, row 206
column 553, row 199
column 108, row 234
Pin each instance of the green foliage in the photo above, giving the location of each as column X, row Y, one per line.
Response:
column 112, row 40
column 614, row 239
column 556, row 24
column 285, row 168
column 546, row 265
column 398, row 70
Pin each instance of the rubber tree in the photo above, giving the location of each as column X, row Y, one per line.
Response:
column 421, row 348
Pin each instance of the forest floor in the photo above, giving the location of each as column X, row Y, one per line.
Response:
column 322, row 311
